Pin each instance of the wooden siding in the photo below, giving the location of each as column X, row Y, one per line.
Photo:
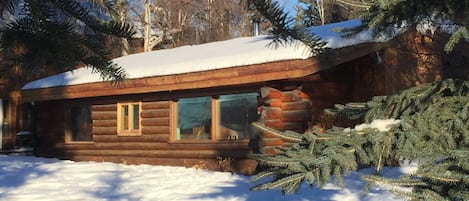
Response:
column 240, row 75
column 153, row 146
column 283, row 110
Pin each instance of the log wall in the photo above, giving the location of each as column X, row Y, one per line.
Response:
column 283, row 110
column 153, row 146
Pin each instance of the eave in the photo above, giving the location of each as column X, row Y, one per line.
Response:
column 240, row 75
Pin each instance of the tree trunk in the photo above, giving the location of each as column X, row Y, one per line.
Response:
column 147, row 22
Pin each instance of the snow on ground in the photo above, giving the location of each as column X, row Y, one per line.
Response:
column 380, row 124
column 32, row 178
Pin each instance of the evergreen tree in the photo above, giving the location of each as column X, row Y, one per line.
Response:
column 44, row 37
column 384, row 17
column 284, row 29
column 433, row 128
column 433, row 125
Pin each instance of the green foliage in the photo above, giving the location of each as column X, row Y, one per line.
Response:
column 442, row 179
column 385, row 16
column 318, row 156
column 283, row 28
column 55, row 36
column 433, row 128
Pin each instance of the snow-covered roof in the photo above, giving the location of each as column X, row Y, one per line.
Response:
column 210, row 56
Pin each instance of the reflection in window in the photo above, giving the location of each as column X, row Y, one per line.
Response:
column 136, row 116
column 237, row 112
column 128, row 117
column 227, row 117
column 194, row 117
column 81, row 124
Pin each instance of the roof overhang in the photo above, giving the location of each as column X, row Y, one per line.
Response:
column 240, row 75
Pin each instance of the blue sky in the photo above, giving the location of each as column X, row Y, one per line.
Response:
column 288, row 5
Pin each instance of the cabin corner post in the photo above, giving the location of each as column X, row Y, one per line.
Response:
column 283, row 110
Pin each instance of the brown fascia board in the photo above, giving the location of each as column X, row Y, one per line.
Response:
column 240, row 75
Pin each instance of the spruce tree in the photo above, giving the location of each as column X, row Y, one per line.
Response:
column 52, row 36
column 433, row 125
column 284, row 29
column 385, row 17
column 433, row 128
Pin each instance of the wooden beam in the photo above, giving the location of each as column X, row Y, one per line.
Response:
column 241, row 75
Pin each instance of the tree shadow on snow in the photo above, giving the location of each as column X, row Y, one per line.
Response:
column 239, row 189
column 112, row 187
column 16, row 171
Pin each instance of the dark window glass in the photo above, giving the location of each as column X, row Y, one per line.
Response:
column 194, row 117
column 81, row 123
column 237, row 112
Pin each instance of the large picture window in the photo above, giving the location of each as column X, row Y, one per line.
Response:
column 194, row 118
column 237, row 112
column 128, row 118
column 80, row 124
column 226, row 117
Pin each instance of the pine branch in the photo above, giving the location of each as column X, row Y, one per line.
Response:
column 404, row 181
column 283, row 28
column 286, row 135
column 433, row 125
column 460, row 34
column 285, row 181
column 261, row 175
column 278, row 161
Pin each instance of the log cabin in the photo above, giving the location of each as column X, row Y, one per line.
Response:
column 193, row 106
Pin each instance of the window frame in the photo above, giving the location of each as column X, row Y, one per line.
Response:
column 215, row 123
column 68, row 130
column 130, row 131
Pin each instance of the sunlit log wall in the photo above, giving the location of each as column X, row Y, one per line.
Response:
column 153, row 146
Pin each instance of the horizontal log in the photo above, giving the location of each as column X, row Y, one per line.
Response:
column 300, row 105
column 271, row 142
column 155, row 130
column 141, row 138
column 256, row 73
column 164, row 121
column 104, row 130
column 105, row 108
column 270, row 93
column 273, row 102
column 108, row 115
column 158, row 113
column 158, row 146
column 105, row 123
column 159, row 153
column 296, row 116
column 273, row 123
column 271, row 113
column 293, row 96
column 155, row 105
column 210, row 164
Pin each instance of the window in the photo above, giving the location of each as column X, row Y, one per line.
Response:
column 237, row 112
column 128, row 118
column 227, row 117
column 80, row 124
column 194, row 118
